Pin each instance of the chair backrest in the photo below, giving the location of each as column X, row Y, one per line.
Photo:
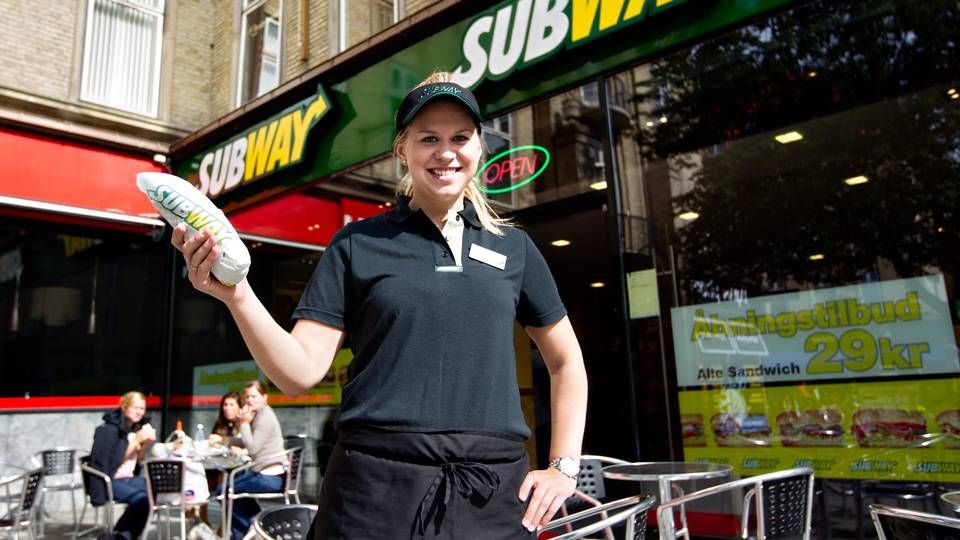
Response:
column 782, row 500
column 786, row 505
column 629, row 511
column 590, row 480
column 291, row 441
column 901, row 524
column 29, row 495
column 57, row 461
column 285, row 522
column 92, row 476
column 294, row 468
column 164, row 476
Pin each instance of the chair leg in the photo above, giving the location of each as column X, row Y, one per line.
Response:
column 73, row 504
column 183, row 523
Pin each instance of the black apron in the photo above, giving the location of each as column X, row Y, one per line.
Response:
column 381, row 484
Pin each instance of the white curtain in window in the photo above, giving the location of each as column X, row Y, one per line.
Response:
column 121, row 59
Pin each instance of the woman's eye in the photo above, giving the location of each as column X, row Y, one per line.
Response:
column 461, row 138
column 429, row 139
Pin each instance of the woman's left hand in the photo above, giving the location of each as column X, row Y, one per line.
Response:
column 550, row 488
column 246, row 415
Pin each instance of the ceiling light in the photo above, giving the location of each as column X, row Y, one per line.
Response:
column 599, row 185
column 689, row 216
column 812, row 74
column 650, row 123
column 939, row 229
column 560, row 243
column 788, row 137
column 854, row 180
column 388, row 204
column 597, row 285
column 954, row 96
column 663, row 119
column 952, row 92
column 160, row 158
column 816, row 257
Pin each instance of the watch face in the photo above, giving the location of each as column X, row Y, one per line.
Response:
column 568, row 466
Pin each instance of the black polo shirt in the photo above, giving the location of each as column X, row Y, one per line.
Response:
column 432, row 342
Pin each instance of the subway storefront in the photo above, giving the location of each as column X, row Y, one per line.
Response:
column 749, row 208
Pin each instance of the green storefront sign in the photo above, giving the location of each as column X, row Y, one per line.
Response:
column 358, row 122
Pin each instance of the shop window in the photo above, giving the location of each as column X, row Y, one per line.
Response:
column 797, row 193
column 359, row 19
column 260, row 48
column 498, row 136
column 121, row 55
column 80, row 311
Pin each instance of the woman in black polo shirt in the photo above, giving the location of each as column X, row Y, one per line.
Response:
column 431, row 432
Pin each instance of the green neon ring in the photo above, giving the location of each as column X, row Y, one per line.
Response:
column 493, row 160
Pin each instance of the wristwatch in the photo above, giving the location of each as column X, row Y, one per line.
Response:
column 567, row 466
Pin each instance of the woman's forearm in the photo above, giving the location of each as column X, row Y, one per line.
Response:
column 278, row 353
column 568, row 410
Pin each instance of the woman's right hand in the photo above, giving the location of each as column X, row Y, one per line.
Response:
column 199, row 254
column 213, row 439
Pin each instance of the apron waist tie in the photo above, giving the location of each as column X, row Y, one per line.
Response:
column 474, row 481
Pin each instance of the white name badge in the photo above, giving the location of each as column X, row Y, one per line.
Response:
column 487, row 256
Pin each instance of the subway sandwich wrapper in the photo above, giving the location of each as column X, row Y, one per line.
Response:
column 178, row 202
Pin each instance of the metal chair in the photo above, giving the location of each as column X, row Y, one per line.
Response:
column 783, row 502
column 165, row 493
column 21, row 516
column 590, row 486
column 901, row 524
column 57, row 463
column 285, row 522
column 629, row 511
column 89, row 475
column 293, row 463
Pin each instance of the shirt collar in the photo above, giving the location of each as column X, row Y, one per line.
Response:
column 402, row 212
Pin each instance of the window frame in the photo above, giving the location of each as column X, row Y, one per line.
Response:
column 246, row 8
column 398, row 8
column 160, row 13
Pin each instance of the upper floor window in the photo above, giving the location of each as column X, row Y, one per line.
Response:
column 121, row 54
column 260, row 48
column 360, row 19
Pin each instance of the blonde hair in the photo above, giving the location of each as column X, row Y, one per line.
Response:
column 488, row 217
column 127, row 399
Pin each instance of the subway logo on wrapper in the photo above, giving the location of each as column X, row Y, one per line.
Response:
column 519, row 33
column 178, row 201
column 264, row 149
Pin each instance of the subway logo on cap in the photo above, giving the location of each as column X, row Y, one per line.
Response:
column 518, row 33
column 264, row 149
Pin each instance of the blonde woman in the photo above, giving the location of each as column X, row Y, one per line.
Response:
column 431, row 432
column 119, row 446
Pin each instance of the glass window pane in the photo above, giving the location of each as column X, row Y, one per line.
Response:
column 261, row 50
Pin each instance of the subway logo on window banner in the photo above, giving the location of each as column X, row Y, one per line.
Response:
column 264, row 149
column 518, row 33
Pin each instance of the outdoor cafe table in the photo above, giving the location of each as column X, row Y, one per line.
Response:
column 223, row 463
column 665, row 473
column 953, row 499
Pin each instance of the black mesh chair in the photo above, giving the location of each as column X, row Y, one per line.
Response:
column 20, row 517
column 782, row 501
column 59, row 474
column 165, row 493
column 591, row 489
column 285, row 522
column 901, row 524
column 631, row 512
column 90, row 476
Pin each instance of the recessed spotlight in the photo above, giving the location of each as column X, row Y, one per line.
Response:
column 855, row 180
column 650, row 123
column 388, row 204
column 689, row 216
column 560, row 243
column 663, row 119
column 954, row 96
column 811, row 74
column 952, row 92
column 816, row 257
column 159, row 158
column 789, row 137
column 598, row 285
column 599, row 185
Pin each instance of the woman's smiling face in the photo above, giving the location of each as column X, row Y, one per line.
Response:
column 442, row 150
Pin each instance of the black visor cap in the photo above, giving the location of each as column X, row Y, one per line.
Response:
column 420, row 97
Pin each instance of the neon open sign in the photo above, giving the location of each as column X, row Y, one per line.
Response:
column 513, row 169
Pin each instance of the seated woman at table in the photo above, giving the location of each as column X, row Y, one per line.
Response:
column 226, row 430
column 261, row 435
column 119, row 446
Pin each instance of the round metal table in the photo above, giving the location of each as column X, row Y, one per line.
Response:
column 665, row 473
column 953, row 499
